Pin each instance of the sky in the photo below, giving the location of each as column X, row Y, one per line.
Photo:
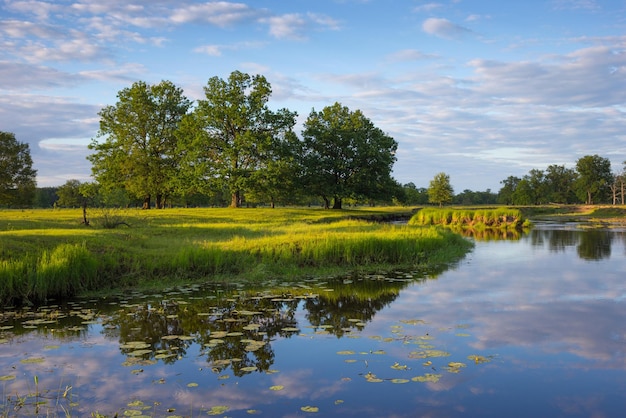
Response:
column 478, row 89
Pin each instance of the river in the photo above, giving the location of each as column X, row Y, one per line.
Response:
column 529, row 326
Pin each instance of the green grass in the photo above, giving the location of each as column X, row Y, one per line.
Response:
column 471, row 218
column 50, row 254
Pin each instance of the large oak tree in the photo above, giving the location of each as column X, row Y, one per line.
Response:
column 345, row 155
column 139, row 152
column 232, row 141
column 17, row 176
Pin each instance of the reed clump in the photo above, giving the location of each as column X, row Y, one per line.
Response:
column 471, row 218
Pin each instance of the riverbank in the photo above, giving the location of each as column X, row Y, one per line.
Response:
column 595, row 215
column 52, row 254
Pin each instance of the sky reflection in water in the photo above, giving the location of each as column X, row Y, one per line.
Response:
column 545, row 311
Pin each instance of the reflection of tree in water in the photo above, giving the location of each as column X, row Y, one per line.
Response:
column 592, row 244
column 595, row 245
column 235, row 328
column 557, row 240
column 149, row 323
column 234, row 320
column 491, row 234
column 359, row 299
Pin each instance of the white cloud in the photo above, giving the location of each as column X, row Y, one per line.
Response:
column 594, row 76
column 212, row 50
column 443, row 28
column 218, row 13
column 428, row 7
column 289, row 26
column 576, row 4
column 410, row 55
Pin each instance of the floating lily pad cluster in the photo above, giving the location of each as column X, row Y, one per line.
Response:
column 231, row 329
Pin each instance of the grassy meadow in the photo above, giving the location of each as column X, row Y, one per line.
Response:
column 49, row 253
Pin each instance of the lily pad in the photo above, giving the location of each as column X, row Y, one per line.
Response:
column 455, row 367
column 32, row 360
column 309, row 408
column 428, row 354
column 400, row 381
column 218, row 410
column 478, row 359
column 398, row 366
column 7, row 377
column 346, row 353
column 277, row 387
column 428, row 377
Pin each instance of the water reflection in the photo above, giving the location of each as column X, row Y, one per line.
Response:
column 591, row 244
column 547, row 322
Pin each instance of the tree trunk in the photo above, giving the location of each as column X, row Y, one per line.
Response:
column 337, row 203
column 85, row 220
column 235, row 200
column 159, row 201
column 146, row 202
column 326, row 202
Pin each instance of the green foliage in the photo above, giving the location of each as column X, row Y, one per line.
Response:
column 440, row 190
column 233, row 142
column 344, row 155
column 594, row 179
column 17, row 176
column 70, row 195
column 139, row 151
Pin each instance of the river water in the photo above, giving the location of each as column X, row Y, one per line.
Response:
column 529, row 326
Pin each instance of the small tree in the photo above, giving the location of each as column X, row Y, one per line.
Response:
column 17, row 177
column 440, row 191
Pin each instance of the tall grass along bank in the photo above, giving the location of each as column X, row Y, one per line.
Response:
column 471, row 218
column 50, row 254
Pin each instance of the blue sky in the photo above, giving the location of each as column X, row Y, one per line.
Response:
column 477, row 89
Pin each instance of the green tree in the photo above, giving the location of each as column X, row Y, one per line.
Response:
column 139, row 151
column 69, row 194
column 345, row 155
column 231, row 135
column 560, row 184
column 414, row 195
column 505, row 195
column 45, row 197
column 524, row 193
column 594, row 179
column 17, row 176
column 440, row 190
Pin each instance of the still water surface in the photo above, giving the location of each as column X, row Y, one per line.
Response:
column 534, row 326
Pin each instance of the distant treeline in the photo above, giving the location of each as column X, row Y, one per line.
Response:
column 591, row 182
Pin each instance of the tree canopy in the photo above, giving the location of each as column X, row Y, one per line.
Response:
column 232, row 136
column 594, row 178
column 440, row 190
column 345, row 155
column 139, row 150
column 17, row 176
